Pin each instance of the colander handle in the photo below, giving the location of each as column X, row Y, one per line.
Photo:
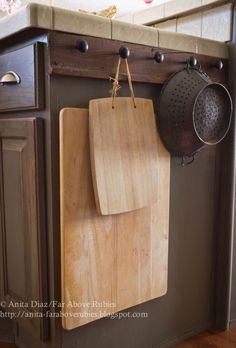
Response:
column 198, row 68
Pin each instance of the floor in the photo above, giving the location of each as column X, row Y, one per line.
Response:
column 7, row 345
column 211, row 339
column 208, row 339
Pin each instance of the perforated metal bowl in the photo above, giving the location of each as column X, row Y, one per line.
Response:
column 193, row 112
column 212, row 113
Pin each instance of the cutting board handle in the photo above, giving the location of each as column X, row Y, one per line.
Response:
column 116, row 85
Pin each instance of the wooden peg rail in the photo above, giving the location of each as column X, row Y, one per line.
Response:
column 84, row 56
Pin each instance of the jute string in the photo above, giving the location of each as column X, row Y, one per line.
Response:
column 116, row 85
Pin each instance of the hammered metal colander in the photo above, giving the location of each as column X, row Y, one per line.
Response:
column 193, row 112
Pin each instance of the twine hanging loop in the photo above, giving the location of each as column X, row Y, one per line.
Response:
column 116, row 84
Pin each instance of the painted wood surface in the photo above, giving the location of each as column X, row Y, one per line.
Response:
column 108, row 263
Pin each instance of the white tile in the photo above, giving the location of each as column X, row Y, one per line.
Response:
column 180, row 6
column 217, row 22
column 190, row 25
column 150, row 15
column 167, row 25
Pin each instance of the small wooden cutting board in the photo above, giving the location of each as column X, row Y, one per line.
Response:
column 108, row 263
column 124, row 154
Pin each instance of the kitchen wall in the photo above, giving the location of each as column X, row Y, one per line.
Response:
column 211, row 19
column 212, row 24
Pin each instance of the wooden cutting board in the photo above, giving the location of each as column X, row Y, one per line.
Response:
column 124, row 154
column 108, row 263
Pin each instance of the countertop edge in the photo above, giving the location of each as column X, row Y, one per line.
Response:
column 52, row 18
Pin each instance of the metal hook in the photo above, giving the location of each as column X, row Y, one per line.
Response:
column 192, row 61
column 124, row 52
column 186, row 163
column 82, row 46
column 159, row 57
column 218, row 64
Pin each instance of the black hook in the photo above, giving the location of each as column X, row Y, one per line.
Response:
column 82, row 46
column 124, row 52
column 159, row 57
column 192, row 61
column 218, row 64
column 185, row 162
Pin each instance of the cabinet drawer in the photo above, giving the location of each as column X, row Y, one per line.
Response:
column 24, row 69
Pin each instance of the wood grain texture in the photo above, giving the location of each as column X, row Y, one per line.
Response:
column 23, row 272
column 7, row 345
column 120, row 259
column 124, row 154
column 27, row 63
column 211, row 339
column 101, row 60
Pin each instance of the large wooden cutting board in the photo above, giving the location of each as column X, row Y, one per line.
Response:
column 108, row 263
column 124, row 154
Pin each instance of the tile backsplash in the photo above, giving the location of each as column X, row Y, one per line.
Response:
column 214, row 24
column 177, row 6
column 211, row 19
column 190, row 24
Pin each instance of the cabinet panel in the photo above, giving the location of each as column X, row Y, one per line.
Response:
column 12, row 164
column 22, row 229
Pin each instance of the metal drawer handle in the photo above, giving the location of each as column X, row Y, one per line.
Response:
column 10, row 78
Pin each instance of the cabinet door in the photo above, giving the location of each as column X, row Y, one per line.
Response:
column 22, row 228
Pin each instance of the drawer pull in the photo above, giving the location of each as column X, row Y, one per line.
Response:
column 10, row 78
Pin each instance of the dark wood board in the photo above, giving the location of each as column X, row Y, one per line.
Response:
column 101, row 59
